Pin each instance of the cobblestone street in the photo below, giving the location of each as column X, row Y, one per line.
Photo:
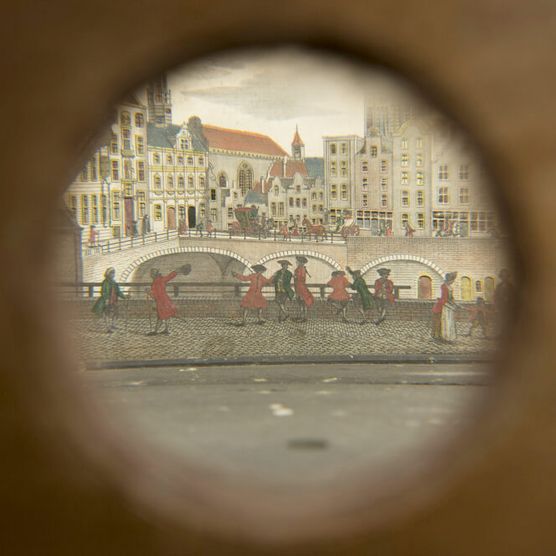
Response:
column 222, row 339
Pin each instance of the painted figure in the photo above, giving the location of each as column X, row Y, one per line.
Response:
column 478, row 317
column 304, row 296
column 384, row 293
column 165, row 309
column 365, row 297
column 254, row 298
column 443, row 311
column 283, row 288
column 409, row 231
column 107, row 304
column 339, row 296
column 93, row 236
column 146, row 226
column 504, row 294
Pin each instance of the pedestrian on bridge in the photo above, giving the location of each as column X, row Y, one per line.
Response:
column 283, row 289
column 165, row 309
column 339, row 296
column 254, row 298
column 365, row 298
column 107, row 304
column 304, row 296
column 384, row 293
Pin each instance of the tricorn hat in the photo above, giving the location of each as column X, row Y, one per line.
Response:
column 258, row 268
column 301, row 259
column 383, row 271
column 283, row 262
column 108, row 271
column 450, row 276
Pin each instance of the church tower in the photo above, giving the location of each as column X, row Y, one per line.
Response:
column 159, row 102
column 298, row 147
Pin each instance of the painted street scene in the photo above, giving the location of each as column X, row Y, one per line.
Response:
column 234, row 213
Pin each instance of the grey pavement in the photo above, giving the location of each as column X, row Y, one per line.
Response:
column 287, row 424
column 221, row 339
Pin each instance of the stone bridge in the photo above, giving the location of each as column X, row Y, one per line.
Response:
column 413, row 261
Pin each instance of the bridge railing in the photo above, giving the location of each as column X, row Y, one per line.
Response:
column 122, row 243
column 188, row 290
column 269, row 235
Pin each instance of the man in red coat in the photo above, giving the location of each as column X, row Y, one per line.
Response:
column 384, row 293
column 165, row 309
column 254, row 298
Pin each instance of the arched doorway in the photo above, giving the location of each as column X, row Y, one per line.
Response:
column 489, row 288
column 466, row 290
column 424, row 290
column 171, row 218
column 191, row 217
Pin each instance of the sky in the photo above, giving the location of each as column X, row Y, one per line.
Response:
column 272, row 91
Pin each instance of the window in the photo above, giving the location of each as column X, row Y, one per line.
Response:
column 190, row 161
column 443, row 172
column 158, row 212
column 343, row 148
column 125, row 119
column 157, row 182
column 419, row 143
column 464, row 172
column 334, row 191
column 314, row 208
column 442, row 195
column 405, row 178
column 297, row 202
column 405, row 219
column 365, row 200
column 126, row 139
column 139, row 120
column 464, row 195
column 170, row 182
column 384, row 166
column 181, row 182
column 281, row 209
column 114, row 144
column 139, row 144
column 298, row 188
column 128, row 190
column 344, row 192
column 332, row 148
column 333, row 169
column 364, row 166
column 321, row 196
column 222, row 180
column 84, row 174
column 180, row 159
column 190, row 183
column 343, row 168
column 128, row 171
column 169, row 159
column 384, row 200
column 184, row 144
column 420, row 220
column 93, row 169
column 273, row 209
column 405, row 160
column 419, row 160
column 156, row 158
column 404, row 143
column 291, row 201
column 201, row 182
column 116, row 205
column 140, row 170
column 313, row 196
column 201, row 161
column 383, row 183
column 213, row 214
column 466, row 291
column 115, row 170
column 230, row 212
column 374, row 151
column 213, row 194
column 304, row 202
column 141, row 202
column 365, row 183
column 73, row 206
column 84, row 209
column 321, row 208
column 478, row 222
column 420, row 178
column 245, row 178
column 420, row 198
column 181, row 213
column 405, row 198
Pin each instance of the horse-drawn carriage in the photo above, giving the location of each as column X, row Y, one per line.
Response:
column 247, row 221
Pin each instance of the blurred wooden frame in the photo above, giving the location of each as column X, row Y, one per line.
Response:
column 70, row 485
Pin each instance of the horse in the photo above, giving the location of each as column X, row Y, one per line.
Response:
column 314, row 229
column 351, row 230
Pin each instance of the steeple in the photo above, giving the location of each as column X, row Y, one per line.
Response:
column 298, row 147
column 159, row 102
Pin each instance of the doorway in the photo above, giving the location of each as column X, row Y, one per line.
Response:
column 129, row 215
column 191, row 217
column 171, row 218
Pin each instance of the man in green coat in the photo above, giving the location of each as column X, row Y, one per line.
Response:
column 366, row 300
column 107, row 304
column 282, row 281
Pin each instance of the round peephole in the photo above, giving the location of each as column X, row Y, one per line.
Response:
column 284, row 273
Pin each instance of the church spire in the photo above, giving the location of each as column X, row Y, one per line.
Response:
column 298, row 147
column 159, row 101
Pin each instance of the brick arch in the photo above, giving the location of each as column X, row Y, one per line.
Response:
column 304, row 252
column 124, row 276
column 408, row 258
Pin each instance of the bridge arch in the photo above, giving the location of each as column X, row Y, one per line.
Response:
column 304, row 252
column 410, row 258
column 124, row 276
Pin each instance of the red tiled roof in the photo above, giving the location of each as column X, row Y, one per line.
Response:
column 292, row 166
column 296, row 141
column 243, row 141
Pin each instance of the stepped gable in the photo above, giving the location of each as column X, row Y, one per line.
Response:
column 241, row 141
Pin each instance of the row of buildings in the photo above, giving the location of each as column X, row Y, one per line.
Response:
column 409, row 174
